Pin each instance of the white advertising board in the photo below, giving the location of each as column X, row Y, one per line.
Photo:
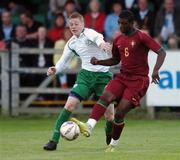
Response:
column 167, row 93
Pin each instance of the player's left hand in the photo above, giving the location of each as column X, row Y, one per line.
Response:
column 155, row 77
column 94, row 61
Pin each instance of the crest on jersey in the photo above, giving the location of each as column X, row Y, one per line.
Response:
column 88, row 42
column 133, row 43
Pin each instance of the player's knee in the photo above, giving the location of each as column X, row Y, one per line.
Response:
column 108, row 96
column 105, row 100
column 109, row 116
column 70, row 106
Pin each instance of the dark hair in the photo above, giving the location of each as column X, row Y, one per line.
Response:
column 69, row 2
column 126, row 14
column 22, row 26
column 28, row 14
column 60, row 15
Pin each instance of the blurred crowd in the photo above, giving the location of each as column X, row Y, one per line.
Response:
column 44, row 23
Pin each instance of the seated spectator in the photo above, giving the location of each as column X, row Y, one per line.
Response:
column 57, row 31
column 144, row 17
column 7, row 28
column 74, row 62
column 167, row 25
column 32, row 26
column 129, row 4
column 69, row 8
column 95, row 18
column 111, row 26
column 42, row 60
column 21, row 41
column 41, row 43
column 57, row 6
column 2, row 44
column 15, row 8
column 25, row 60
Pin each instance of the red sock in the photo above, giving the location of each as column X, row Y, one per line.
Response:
column 97, row 112
column 117, row 130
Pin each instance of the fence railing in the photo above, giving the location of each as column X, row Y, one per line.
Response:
column 11, row 104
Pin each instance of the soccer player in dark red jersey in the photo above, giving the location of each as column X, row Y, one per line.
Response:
column 130, row 85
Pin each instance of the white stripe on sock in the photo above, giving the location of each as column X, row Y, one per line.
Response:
column 91, row 122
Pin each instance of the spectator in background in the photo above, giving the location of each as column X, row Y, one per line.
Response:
column 111, row 26
column 42, row 60
column 129, row 4
column 7, row 28
column 74, row 62
column 57, row 6
column 3, row 5
column 32, row 26
column 69, row 8
column 2, row 44
column 15, row 8
column 60, row 6
column 21, row 41
column 167, row 25
column 43, row 42
column 144, row 17
column 95, row 18
column 57, row 31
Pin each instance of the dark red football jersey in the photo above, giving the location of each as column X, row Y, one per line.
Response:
column 133, row 51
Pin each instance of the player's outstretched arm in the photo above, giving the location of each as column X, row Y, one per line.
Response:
column 106, row 62
column 115, row 59
column 159, row 63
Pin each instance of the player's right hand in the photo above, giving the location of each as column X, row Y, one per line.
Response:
column 155, row 77
column 94, row 61
column 51, row 70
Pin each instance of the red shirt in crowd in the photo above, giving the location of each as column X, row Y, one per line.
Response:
column 95, row 23
column 56, row 33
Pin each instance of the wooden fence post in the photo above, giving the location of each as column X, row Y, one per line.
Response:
column 5, row 82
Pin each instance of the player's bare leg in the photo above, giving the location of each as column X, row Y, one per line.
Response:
column 109, row 116
column 70, row 105
column 122, row 109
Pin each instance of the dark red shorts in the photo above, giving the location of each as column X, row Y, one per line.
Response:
column 131, row 88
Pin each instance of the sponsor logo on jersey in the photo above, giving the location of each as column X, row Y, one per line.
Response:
column 133, row 43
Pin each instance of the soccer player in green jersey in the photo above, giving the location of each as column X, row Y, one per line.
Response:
column 85, row 43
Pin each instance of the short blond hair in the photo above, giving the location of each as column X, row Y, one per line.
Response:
column 76, row 15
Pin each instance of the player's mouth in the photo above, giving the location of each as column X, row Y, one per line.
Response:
column 74, row 31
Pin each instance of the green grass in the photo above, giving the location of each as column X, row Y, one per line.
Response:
column 22, row 139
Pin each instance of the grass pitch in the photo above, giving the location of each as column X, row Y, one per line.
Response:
column 23, row 138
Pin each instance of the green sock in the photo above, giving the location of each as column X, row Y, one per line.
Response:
column 63, row 117
column 108, row 128
column 118, row 120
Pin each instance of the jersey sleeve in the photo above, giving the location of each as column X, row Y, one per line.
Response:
column 94, row 36
column 150, row 42
column 64, row 61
